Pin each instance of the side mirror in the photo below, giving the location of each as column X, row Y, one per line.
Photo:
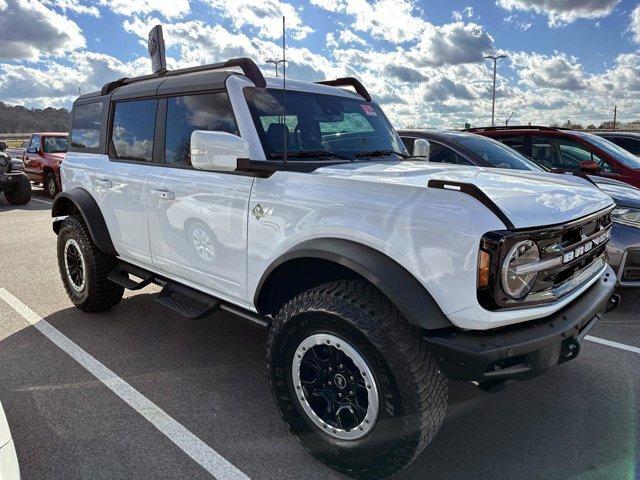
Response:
column 421, row 148
column 217, row 150
column 589, row 166
column 3, row 146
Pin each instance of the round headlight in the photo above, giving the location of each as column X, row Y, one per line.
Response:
column 518, row 284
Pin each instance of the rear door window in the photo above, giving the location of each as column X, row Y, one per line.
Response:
column 133, row 130
column 517, row 143
column 543, row 152
column 87, row 125
column 55, row 144
column 187, row 114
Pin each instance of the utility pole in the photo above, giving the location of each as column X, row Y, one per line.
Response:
column 506, row 122
column 615, row 117
column 495, row 59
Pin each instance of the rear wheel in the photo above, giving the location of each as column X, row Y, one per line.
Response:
column 353, row 381
column 50, row 185
column 84, row 268
column 20, row 194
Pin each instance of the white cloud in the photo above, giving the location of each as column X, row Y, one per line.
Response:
column 28, row 29
column 562, row 12
column 57, row 83
column 549, row 71
column 634, row 25
column 392, row 20
column 167, row 8
column 452, row 44
column 75, row 6
column 264, row 15
column 519, row 25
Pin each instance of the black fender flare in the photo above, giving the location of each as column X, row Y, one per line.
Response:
column 408, row 295
column 79, row 200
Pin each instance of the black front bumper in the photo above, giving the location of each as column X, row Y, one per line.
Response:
column 9, row 180
column 524, row 350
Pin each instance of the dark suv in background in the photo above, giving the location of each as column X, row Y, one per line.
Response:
column 630, row 141
column 463, row 148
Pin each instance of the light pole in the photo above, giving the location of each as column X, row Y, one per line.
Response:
column 495, row 59
column 275, row 63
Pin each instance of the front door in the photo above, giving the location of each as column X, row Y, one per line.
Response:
column 198, row 219
column 33, row 160
column 121, row 179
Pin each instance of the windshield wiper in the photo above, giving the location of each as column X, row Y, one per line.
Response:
column 309, row 154
column 382, row 153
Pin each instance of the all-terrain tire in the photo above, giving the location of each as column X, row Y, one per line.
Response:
column 50, row 185
column 97, row 293
column 412, row 390
column 21, row 193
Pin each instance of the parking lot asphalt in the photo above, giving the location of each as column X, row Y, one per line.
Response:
column 580, row 420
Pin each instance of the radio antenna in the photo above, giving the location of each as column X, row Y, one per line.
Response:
column 284, row 93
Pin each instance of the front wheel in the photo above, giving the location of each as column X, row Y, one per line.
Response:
column 353, row 381
column 20, row 194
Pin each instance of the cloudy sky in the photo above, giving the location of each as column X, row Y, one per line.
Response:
column 422, row 60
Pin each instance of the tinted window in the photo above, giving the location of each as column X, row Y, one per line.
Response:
column 517, row 143
column 543, row 152
column 87, row 123
column 620, row 154
column 440, row 153
column 630, row 144
column 34, row 145
column 55, row 144
column 494, row 152
column 343, row 126
column 573, row 154
column 133, row 129
column 195, row 112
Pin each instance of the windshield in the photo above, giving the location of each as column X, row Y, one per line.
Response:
column 494, row 152
column 317, row 125
column 55, row 144
column 620, row 154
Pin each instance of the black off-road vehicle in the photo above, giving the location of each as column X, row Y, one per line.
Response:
column 13, row 181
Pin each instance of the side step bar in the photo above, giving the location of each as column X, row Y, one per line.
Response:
column 181, row 299
column 187, row 301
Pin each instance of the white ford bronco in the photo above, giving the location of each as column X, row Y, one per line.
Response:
column 379, row 277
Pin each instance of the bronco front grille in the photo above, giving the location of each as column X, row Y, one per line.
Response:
column 572, row 254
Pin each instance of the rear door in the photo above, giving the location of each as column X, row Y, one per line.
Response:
column 198, row 219
column 120, row 181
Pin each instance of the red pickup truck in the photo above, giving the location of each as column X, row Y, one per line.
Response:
column 42, row 158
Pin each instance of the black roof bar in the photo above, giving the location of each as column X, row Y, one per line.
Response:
column 349, row 82
column 248, row 67
column 510, row 127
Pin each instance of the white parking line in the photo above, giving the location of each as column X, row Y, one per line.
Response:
column 41, row 201
column 611, row 343
column 199, row 451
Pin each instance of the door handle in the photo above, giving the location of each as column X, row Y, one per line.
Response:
column 163, row 194
column 104, row 182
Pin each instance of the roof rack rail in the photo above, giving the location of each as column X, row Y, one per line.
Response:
column 248, row 67
column 510, row 127
column 348, row 82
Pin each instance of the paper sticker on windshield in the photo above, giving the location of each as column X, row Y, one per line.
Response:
column 368, row 109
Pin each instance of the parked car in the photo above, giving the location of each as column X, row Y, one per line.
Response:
column 42, row 160
column 378, row 277
column 13, row 182
column 18, row 152
column 470, row 149
column 630, row 141
column 562, row 150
